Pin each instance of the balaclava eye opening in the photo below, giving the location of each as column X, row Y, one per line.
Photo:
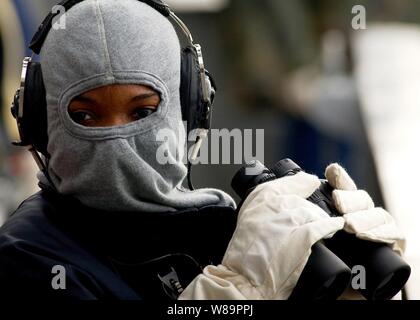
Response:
column 116, row 168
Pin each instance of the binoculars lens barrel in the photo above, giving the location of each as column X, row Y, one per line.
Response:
column 325, row 277
column 386, row 272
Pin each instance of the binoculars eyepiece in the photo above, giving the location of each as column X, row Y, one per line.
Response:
column 328, row 272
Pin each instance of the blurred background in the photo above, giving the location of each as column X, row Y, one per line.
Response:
column 325, row 87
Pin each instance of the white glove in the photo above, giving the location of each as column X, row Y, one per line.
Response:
column 361, row 217
column 271, row 244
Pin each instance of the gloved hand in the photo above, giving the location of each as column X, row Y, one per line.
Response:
column 361, row 217
column 271, row 244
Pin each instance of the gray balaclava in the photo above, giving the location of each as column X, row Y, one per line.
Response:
column 116, row 168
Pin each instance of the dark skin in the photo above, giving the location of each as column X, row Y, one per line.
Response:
column 113, row 105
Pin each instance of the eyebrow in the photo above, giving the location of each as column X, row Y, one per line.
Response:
column 134, row 99
column 143, row 96
column 83, row 99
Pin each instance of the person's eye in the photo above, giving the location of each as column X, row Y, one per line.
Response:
column 143, row 112
column 81, row 117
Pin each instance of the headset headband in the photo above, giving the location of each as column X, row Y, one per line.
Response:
column 46, row 25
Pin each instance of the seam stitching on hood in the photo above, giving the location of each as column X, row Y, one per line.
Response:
column 101, row 27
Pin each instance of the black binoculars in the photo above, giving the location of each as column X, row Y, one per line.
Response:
column 328, row 272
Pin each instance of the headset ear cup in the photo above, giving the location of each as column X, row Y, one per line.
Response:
column 211, row 85
column 188, row 90
column 194, row 109
column 15, row 104
column 34, row 121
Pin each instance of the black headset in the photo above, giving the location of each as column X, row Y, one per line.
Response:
column 29, row 106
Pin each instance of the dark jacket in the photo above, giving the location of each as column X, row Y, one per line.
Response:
column 106, row 255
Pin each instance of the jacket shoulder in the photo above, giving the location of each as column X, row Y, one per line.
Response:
column 29, row 222
column 33, row 244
